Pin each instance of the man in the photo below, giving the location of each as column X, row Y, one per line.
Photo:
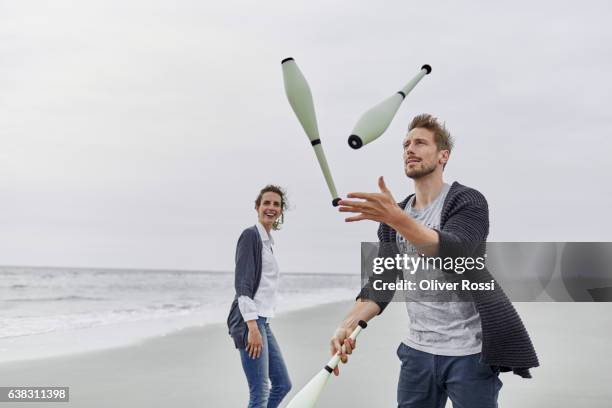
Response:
column 454, row 349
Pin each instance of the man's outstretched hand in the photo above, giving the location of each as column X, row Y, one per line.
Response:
column 380, row 207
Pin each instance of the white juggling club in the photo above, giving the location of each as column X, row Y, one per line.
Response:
column 300, row 99
column 375, row 121
column 308, row 396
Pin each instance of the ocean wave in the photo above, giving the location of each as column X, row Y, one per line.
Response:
column 21, row 326
column 89, row 300
column 175, row 306
column 57, row 299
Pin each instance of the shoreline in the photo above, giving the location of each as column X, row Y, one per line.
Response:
column 199, row 366
column 86, row 310
column 109, row 337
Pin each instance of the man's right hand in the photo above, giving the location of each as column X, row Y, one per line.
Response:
column 340, row 338
column 361, row 310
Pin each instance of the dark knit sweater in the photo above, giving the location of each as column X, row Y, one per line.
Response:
column 246, row 281
column 464, row 226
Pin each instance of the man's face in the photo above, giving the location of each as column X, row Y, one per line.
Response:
column 421, row 155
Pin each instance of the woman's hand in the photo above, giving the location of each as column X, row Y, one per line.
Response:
column 254, row 340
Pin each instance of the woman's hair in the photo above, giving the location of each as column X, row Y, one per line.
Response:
column 271, row 188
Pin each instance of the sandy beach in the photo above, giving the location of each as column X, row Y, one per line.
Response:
column 198, row 367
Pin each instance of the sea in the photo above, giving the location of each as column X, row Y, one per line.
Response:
column 46, row 312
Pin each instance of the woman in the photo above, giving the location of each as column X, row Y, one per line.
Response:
column 256, row 282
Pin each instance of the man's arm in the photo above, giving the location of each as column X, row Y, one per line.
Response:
column 466, row 230
column 361, row 310
column 423, row 238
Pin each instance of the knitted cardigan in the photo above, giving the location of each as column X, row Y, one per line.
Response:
column 246, row 281
column 464, row 226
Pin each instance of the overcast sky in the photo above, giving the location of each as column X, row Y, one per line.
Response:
column 138, row 133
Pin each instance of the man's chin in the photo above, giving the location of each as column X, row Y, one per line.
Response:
column 414, row 174
column 417, row 174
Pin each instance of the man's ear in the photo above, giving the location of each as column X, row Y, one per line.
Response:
column 444, row 156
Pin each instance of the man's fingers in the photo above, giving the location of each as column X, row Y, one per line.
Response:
column 383, row 186
column 363, row 196
column 343, row 356
column 359, row 217
column 336, row 347
column 349, row 209
column 336, row 371
column 348, row 347
column 356, row 204
column 357, row 209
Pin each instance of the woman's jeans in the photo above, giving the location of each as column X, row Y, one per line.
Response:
column 268, row 368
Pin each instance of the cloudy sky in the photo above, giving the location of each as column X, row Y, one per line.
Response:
column 137, row 133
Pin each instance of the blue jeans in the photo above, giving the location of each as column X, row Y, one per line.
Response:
column 427, row 380
column 268, row 368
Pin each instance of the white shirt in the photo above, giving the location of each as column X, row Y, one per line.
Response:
column 266, row 296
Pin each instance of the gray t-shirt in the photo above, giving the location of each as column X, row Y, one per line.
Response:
column 442, row 328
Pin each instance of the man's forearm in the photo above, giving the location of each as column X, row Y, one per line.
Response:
column 361, row 310
column 425, row 239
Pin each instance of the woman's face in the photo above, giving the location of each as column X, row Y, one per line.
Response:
column 269, row 209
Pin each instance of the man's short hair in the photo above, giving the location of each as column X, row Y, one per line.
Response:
column 442, row 136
